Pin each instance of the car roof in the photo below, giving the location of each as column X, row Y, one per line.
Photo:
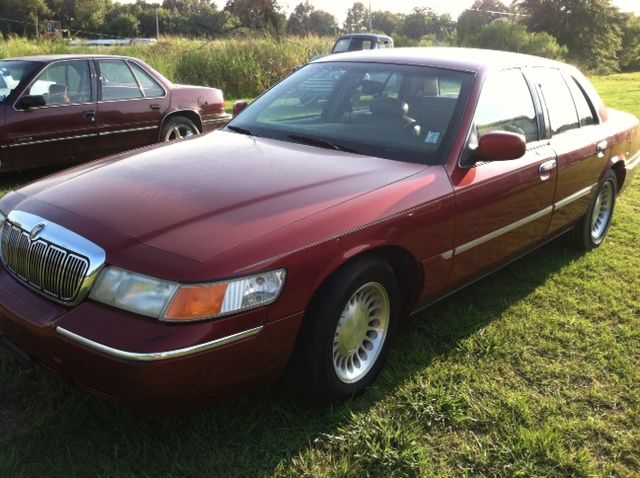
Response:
column 364, row 35
column 51, row 58
column 464, row 59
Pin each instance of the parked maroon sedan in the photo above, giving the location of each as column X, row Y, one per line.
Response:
column 301, row 233
column 66, row 109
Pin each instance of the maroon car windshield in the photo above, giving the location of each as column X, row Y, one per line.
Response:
column 393, row 111
column 13, row 74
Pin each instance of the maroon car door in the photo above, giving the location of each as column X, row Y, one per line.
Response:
column 502, row 207
column 131, row 105
column 579, row 141
column 63, row 130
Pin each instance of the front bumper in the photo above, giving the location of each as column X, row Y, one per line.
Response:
column 141, row 362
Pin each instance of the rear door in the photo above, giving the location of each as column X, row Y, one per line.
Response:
column 64, row 129
column 131, row 105
column 579, row 141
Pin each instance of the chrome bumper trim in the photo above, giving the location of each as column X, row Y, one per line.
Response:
column 634, row 162
column 156, row 356
column 574, row 197
column 503, row 230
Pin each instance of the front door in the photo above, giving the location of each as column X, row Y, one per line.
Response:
column 502, row 207
column 64, row 129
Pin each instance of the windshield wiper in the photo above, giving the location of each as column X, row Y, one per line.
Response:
column 322, row 143
column 238, row 129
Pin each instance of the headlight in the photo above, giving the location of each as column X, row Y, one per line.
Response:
column 171, row 301
column 133, row 292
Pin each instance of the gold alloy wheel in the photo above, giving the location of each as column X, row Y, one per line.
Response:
column 361, row 332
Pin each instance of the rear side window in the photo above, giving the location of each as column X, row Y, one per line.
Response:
column 506, row 105
column 150, row 87
column 562, row 110
column 585, row 111
column 118, row 82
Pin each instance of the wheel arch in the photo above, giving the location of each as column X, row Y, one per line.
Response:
column 405, row 266
column 618, row 168
column 190, row 114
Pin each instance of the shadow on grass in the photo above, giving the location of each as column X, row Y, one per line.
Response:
column 57, row 430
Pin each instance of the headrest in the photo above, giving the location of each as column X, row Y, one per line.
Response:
column 387, row 106
column 57, row 89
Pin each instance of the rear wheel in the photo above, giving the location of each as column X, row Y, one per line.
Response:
column 592, row 229
column 348, row 330
column 178, row 127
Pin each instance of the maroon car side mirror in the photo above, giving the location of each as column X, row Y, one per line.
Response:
column 238, row 106
column 502, row 146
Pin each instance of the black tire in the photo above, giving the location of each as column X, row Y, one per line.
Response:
column 178, row 127
column 591, row 231
column 314, row 373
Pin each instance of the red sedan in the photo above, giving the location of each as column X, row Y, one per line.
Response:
column 65, row 109
column 358, row 190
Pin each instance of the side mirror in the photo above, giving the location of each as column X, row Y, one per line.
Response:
column 31, row 101
column 502, row 146
column 238, row 106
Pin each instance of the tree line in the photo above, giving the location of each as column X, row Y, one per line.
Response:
column 593, row 33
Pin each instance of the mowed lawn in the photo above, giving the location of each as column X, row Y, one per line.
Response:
column 531, row 372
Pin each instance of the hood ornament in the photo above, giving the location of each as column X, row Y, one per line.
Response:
column 36, row 231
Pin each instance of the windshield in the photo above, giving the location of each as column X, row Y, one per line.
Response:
column 14, row 73
column 396, row 112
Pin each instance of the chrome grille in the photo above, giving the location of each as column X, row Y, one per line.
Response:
column 47, row 267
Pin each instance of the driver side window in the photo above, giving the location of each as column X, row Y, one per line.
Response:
column 67, row 82
column 506, row 105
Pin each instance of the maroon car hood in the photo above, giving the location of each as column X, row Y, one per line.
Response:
column 200, row 197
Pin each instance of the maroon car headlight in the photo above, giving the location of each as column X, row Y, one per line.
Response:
column 171, row 301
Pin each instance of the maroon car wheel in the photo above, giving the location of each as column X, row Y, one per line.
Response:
column 592, row 229
column 178, row 127
column 347, row 333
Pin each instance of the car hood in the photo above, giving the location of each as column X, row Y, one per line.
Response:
column 197, row 198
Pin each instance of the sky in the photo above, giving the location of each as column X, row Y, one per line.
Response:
column 338, row 8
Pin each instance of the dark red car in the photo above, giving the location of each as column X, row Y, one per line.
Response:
column 65, row 109
column 302, row 232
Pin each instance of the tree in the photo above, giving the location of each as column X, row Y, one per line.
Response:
column 630, row 56
column 123, row 24
column 322, row 23
column 481, row 13
column 258, row 15
column 90, row 14
column 511, row 36
column 386, row 22
column 357, row 18
column 591, row 29
column 424, row 21
column 298, row 23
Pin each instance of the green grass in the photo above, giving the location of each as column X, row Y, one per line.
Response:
column 531, row 372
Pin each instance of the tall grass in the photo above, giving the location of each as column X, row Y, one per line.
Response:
column 240, row 67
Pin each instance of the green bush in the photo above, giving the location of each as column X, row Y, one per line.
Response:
column 240, row 67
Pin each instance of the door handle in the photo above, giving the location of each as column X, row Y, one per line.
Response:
column 154, row 107
column 546, row 168
column 601, row 148
column 90, row 114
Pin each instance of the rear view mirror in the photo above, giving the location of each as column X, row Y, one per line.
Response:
column 238, row 106
column 31, row 101
column 502, row 146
